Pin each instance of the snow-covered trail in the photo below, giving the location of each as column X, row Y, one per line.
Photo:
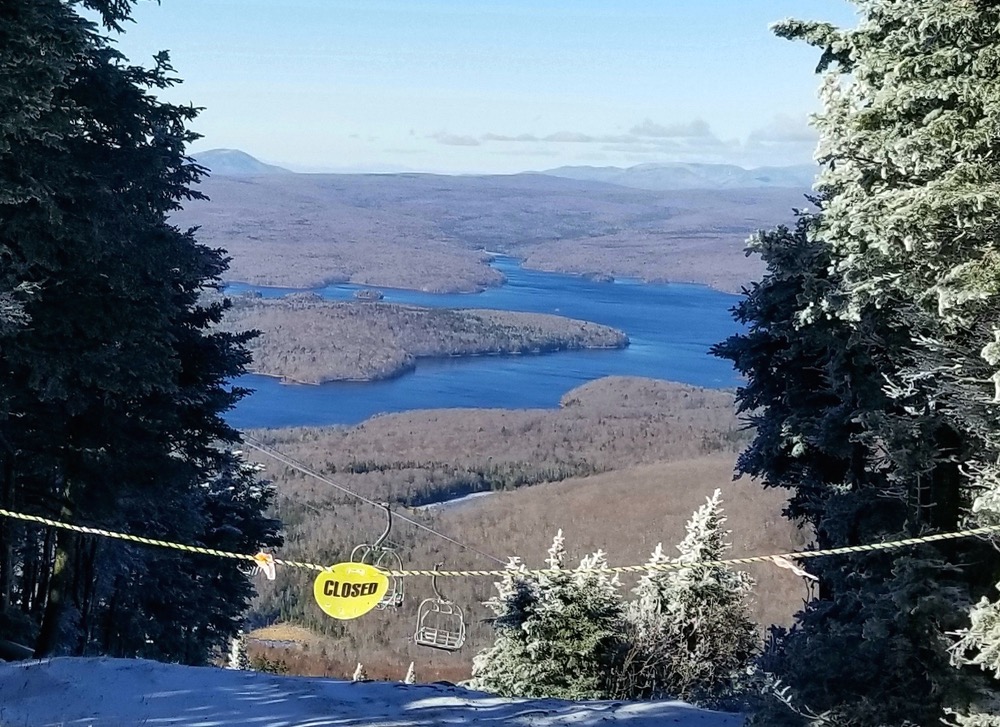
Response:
column 124, row 692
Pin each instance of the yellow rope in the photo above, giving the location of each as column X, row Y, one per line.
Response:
column 151, row 541
column 799, row 555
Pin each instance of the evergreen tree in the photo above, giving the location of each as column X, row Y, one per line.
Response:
column 557, row 634
column 238, row 657
column 690, row 631
column 111, row 399
column 811, row 390
column 188, row 606
column 506, row 667
column 883, row 394
column 979, row 646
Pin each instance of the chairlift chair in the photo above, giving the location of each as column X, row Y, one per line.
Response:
column 385, row 558
column 440, row 623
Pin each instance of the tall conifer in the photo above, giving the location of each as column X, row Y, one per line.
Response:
column 557, row 633
column 113, row 389
column 895, row 343
column 689, row 630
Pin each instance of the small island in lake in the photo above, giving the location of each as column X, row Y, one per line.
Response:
column 369, row 294
column 310, row 340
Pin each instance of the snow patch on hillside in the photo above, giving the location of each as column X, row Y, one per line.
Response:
column 103, row 692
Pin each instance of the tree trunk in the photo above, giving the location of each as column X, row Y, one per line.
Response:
column 6, row 529
column 108, row 640
column 45, row 574
column 87, row 575
column 60, row 585
column 60, row 582
column 944, row 506
column 29, row 578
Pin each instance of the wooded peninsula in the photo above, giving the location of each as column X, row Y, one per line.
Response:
column 306, row 339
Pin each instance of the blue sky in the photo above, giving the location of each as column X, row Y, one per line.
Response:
column 501, row 86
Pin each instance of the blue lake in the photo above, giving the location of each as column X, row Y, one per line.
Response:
column 671, row 328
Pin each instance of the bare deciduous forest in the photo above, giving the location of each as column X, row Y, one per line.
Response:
column 427, row 232
column 620, row 466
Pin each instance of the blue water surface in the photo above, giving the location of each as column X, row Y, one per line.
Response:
column 670, row 326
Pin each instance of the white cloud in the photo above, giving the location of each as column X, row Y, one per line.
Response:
column 698, row 128
column 784, row 129
column 506, row 137
column 648, row 136
column 454, row 139
column 784, row 140
column 562, row 137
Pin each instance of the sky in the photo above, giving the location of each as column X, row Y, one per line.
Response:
column 469, row 86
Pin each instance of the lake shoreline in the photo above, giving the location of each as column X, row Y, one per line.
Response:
column 403, row 371
column 594, row 276
column 670, row 330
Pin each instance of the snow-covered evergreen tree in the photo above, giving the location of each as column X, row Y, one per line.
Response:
column 556, row 559
column 979, row 645
column 411, row 675
column 557, row 633
column 885, row 396
column 690, row 629
column 238, row 657
column 505, row 667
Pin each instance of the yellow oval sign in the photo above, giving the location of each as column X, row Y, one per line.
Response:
column 348, row 590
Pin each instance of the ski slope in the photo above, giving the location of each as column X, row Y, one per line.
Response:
column 123, row 692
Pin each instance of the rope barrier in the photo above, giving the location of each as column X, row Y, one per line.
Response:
column 796, row 555
column 153, row 541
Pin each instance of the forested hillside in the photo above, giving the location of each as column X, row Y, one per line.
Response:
column 661, row 448
column 428, row 232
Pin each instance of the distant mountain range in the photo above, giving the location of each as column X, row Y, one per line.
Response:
column 655, row 177
column 679, row 175
column 235, row 163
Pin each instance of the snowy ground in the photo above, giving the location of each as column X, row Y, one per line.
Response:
column 454, row 503
column 127, row 692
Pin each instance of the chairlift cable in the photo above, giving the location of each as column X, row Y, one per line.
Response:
column 294, row 464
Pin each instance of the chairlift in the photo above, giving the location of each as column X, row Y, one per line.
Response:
column 440, row 623
column 384, row 557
